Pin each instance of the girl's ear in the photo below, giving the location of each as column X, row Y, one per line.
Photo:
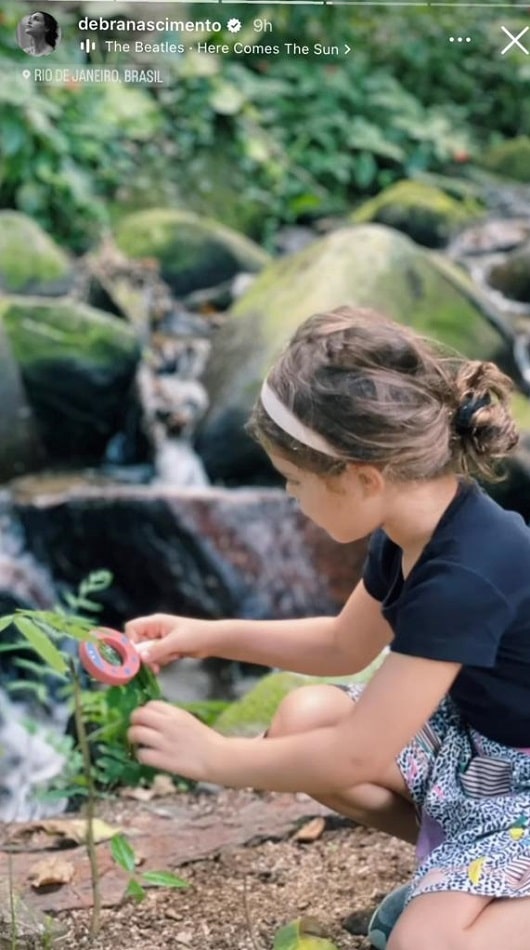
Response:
column 371, row 479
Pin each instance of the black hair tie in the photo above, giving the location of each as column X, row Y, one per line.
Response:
column 464, row 414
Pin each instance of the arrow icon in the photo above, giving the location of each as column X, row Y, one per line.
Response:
column 347, row 49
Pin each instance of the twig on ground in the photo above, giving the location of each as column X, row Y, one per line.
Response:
column 255, row 943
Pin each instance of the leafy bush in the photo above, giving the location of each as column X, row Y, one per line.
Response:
column 261, row 140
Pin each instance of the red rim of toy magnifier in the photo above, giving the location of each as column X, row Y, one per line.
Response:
column 100, row 668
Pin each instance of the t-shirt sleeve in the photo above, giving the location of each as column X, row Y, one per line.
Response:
column 377, row 576
column 451, row 613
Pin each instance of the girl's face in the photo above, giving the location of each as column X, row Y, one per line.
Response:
column 347, row 506
column 35, row 25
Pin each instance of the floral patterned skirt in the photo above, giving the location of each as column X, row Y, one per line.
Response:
column 472, row 797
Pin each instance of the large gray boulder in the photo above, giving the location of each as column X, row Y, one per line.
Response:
column 425, row 212
column 199, row 552
column 77, row 365
column 510, row 159
column 369, row 265
column 21, row 450
column 512, row 275
column 192, row 252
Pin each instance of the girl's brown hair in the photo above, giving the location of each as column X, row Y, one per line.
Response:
column 382, row 395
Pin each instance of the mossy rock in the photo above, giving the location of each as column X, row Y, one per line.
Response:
column 77, row 365
column 21, row 451
column 512, row 275
column 30, row 260
column 510, row 159
column 251, row 715
column 427, row 214
column 521, row 412
column 193, row 252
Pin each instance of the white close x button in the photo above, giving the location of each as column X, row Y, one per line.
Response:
column 514, row 40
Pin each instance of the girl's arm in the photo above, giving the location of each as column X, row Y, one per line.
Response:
column 318, row 646
column 399, row 699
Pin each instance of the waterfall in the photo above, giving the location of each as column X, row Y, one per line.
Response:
column 28, row 732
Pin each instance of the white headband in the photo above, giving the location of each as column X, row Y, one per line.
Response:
column 286, row 420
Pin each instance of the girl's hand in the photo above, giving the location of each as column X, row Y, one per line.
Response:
column 163, row 638
column 173, row 740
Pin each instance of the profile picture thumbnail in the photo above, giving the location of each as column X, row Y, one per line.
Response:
column 38, row 34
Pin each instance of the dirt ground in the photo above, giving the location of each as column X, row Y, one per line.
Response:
column 238, row 899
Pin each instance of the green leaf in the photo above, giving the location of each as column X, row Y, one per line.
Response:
column 41, row 643
column 163, row 879
column 135, row 890
column 56, row 794
column 56, row 622
column 148, row 683
column 96, row 581
column 123, row 853
column 226, row 98
column 81, row 603
column 36, row 668
column 302, row 934
column 6, row 622
column 14, row 136
column 37, row 689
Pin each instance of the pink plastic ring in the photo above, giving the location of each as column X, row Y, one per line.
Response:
column 100, row 668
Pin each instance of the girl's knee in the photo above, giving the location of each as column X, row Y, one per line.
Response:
column 420, row 927
column 310, row 707
column 407, row 936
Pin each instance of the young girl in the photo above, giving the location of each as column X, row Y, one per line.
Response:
column 377, row 431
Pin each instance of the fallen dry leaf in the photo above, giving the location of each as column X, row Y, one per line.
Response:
column 70, row 829
column 311, row 831
column 51, row 871
column 139, row 794
column 75, row 829
column 163, row 785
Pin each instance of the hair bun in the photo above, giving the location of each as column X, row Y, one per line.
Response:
column 463, row 420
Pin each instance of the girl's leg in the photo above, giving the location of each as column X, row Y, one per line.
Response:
column 454, row 921
column 384, row 804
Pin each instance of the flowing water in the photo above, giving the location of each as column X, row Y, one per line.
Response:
column 29, row 734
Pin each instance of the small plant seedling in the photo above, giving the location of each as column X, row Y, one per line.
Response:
column 125, row 857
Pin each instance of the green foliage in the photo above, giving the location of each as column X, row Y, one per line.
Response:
column 124, row 855
column 308, row 140
column 262, row 140
column 106, row 712
column 40, row 628
column 49, row 167
column 65, row 149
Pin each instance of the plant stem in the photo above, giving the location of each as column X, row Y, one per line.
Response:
column 12, row 910
column 91, row 803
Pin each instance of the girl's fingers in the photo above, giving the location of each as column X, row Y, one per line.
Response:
column 143, row 736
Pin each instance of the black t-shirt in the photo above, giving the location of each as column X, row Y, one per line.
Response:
column 466, row 600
